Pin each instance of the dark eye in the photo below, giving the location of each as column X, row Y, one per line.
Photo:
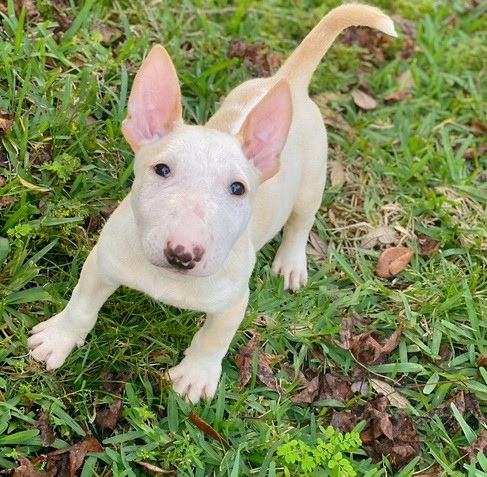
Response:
column 237, row 188
column 162, row 170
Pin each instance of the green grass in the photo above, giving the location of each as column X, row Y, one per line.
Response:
column 65, row 161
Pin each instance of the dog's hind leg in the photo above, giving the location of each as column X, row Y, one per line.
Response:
column 290, row 260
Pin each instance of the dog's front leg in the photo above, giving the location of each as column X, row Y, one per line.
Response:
column 53, row 339
column 198, row 373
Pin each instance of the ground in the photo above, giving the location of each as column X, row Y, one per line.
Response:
column 414, row 161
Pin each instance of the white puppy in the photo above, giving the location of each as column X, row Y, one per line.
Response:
column 206, row 198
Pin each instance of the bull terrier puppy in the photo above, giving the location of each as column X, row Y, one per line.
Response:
column 205, row 199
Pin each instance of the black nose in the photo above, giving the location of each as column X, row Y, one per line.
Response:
column 180, row 258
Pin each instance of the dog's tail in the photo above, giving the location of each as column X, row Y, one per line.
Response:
column 302, row 63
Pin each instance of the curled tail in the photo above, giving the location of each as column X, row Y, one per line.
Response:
column 302, row 63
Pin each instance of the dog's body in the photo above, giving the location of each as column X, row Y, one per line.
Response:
column 184, row 239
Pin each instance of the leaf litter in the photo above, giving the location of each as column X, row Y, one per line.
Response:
column 244, row 361
column 393, row 260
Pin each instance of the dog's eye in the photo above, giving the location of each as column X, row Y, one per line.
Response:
column 162, row 170
column 237, row 188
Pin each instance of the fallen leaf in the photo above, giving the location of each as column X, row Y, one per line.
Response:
column 395, row 398
column 409, row 29
column 207, row 429
column 405, row 82
column 2, row 181
column 392, row 342
column 7, row 199
column 3, row 157
column 154, row 468
column 464, row 401
column 71, row 458
column 427, row 246
column 409, row 38
column 33, row 186
column 482, row 360
column 44, row 425
column 317, row 245
column 383, row 234
column 326, row 386
column 108, row 418
column 257, row 56
column 115, row 383
column 480, row 125
column 30, row 8
column 384, row 434
column 331, row 117
column 337, row 173
column 108, row 211
column 363, row 100
column 393, row 260
column 107, row 32
column 367, row 38
column 479, row 446
column 365, row 348
column 6, row 121
column 244, row 362
column 27, row 469
column 473, row 152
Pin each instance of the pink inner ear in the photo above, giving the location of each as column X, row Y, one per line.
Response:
column 265, row 130
column 154, row 105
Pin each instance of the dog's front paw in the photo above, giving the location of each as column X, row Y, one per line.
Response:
column 52, row 341
column 196, row 377
column 291, row 264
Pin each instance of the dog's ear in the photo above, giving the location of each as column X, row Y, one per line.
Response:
column 264, row 132
column 154, row 105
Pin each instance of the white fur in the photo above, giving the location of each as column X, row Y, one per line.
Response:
column 194, row 206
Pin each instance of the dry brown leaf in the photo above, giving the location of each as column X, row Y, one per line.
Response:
column 67, row 461
column 330, row 386
column 364, row 347
column 45, row 428
column 244, row 362
column 393, row 260
column 473, row 152
column 363, row 100
column 382, row 234
column 427, row 246
column 482, row 360
column 384, row 434
column 30, row 7
column 6, row 121
column 405, row 82
column 337, row 173
column 394, row 397
column 257, row 56
column 107, row 32
column 207, row 429
column 7, row 199
column 367, row 38
column 108, row 418
column 317, row 245
column 2, row 181
column 480, row 445
column 331, row 117
column 27, row 469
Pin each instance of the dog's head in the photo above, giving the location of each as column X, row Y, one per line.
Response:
column 193, row 188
